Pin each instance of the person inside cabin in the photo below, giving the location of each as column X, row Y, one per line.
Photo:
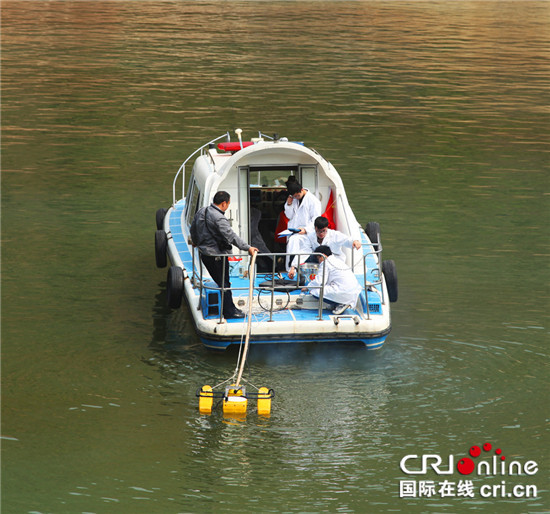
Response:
column 301, row 208
column 341, row 288
column 264, row 262
column 211, row 232
column 282, row 221
column 322, row 235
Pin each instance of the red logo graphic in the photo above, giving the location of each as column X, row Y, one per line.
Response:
column 465, row 466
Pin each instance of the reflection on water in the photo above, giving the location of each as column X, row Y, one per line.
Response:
column 320, row 422
column 435, row 115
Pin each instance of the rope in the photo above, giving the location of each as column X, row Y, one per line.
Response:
column 251, row 276
column 234, row 376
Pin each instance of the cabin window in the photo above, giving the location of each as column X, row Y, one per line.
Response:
column 310, row 179
column 192, row 207
column 272, row 178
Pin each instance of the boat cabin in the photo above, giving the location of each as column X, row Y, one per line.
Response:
column 256, row 177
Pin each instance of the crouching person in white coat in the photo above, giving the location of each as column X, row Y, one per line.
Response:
column 322, row 236
column 341, row 288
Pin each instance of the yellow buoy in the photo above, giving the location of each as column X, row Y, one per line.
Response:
column 264, row 401
column 206, row 400
column 235, row 402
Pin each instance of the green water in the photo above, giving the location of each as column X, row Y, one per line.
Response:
column 435, row 114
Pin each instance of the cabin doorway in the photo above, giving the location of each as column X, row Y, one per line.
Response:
column 263, row 193
column 267, row 197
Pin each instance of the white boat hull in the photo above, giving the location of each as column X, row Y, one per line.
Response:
column 287, row 319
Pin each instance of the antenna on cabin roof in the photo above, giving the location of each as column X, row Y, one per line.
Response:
column 239, row 132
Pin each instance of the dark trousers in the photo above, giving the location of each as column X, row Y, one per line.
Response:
column 331, row 303
column 215, row 266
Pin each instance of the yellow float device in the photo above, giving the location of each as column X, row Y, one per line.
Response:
column 264, row 401
column 206, row 400
column 235, row 402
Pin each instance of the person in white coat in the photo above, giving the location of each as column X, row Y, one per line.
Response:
column 322, row 235
column 301, row 208
column 341, row 288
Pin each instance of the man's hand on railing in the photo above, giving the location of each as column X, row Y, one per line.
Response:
column 252, row 250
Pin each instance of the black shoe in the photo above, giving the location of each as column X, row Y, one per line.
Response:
column 237, row 314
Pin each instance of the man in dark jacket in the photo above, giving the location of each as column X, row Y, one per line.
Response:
column 211, row 232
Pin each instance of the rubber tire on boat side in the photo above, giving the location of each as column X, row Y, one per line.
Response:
column 388, row 268
column 161, row 244
column 372, row 229
column 161, row 214
column 174, row 287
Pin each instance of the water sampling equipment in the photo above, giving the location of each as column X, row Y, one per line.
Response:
column 234, row 396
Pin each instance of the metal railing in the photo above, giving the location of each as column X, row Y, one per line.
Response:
column 376, row 271
column 200, row 149
column 198, row 280
column 197, row 276
column 182, row 167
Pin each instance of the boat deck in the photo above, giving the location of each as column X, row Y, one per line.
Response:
column 289, row 308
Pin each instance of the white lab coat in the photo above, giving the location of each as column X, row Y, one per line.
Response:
column 341, row 285
column 302, row 215
column 306, row 244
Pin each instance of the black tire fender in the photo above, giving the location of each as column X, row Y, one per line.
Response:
column 372, row 229
column 174, row 287
column 390, row 273
column 161, row 214
column 161, row 244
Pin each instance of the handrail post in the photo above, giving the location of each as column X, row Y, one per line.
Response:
column 201, row 284
column 322, row 292
column 190, row 243
column 380, row 274
column 272, row 289
column 222, row 292
column 365, row 284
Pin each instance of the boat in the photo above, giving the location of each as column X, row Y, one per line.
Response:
column 255, row 173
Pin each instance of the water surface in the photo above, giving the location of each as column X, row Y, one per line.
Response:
column 436, row 115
